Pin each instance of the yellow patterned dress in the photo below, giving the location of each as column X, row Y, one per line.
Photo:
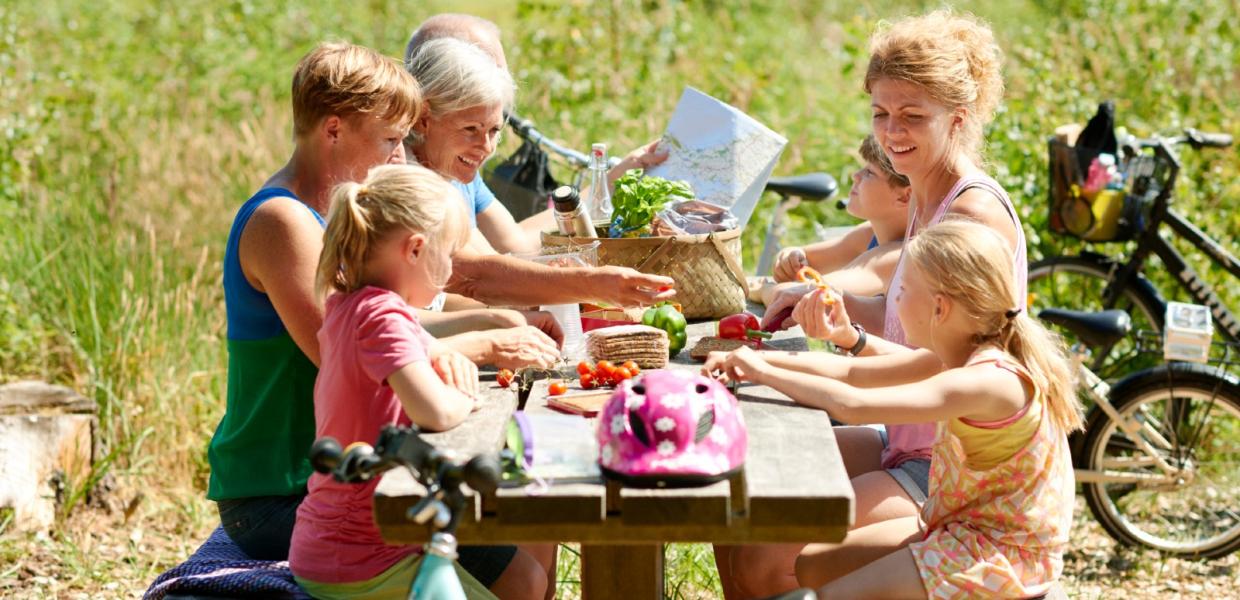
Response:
column 1000, row 505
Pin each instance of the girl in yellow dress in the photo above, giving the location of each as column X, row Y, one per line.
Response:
column 1001, row 486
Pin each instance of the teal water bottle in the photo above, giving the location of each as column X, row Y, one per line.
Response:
column 437, row 578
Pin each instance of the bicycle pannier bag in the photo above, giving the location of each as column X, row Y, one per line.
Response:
column 523, row 182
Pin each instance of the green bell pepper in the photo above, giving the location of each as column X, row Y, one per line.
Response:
column 667, row 318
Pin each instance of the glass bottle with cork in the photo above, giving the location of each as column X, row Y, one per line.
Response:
column 598, row 194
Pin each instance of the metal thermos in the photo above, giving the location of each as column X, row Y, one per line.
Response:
column 570, row 215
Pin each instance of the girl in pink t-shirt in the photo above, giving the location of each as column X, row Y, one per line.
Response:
column 387, row 248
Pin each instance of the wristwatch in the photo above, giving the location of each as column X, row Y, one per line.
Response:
column 860, row 345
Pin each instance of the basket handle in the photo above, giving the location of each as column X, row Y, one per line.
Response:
column 663, row 248
column 734, row 266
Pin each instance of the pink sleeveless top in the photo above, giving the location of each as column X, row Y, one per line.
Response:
column 905, row 442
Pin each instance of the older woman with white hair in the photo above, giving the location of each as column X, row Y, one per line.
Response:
column 466, row 94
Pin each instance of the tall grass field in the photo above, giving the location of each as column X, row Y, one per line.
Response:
column 130, row 131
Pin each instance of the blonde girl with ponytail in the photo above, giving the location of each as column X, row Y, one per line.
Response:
column 388, row 247
column 997, row 518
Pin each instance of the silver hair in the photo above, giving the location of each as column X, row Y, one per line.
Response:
column 455, row 75
column 460, row 26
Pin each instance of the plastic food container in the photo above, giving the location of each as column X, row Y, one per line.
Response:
column 1187, row 332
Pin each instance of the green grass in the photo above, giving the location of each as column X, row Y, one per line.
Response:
column 131, row 130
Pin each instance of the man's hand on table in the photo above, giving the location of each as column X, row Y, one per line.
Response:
column 526, row 346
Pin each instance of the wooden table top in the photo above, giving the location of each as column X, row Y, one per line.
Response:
column 793, row 487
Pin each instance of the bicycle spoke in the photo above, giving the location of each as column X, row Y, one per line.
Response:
column 1190, row 509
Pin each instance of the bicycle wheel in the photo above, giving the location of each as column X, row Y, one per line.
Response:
column 1077, row 283
column 1190, row 415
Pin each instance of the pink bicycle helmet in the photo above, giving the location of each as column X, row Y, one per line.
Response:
column 671, row 429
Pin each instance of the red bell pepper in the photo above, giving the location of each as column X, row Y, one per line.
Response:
column 743, row 326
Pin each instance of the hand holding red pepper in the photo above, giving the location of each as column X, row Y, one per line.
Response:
column 743, row 326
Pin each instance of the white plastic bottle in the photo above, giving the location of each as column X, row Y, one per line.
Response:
column 569, row 318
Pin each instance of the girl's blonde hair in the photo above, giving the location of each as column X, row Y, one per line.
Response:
column 971, row 264
column 393, row 198
column 953, row 57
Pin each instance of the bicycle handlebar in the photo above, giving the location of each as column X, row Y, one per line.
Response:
column 1196, row 139
column 402, row 446
column 524, row 128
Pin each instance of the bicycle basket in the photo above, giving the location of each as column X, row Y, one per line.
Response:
column 523, row 182
column 1104, row 215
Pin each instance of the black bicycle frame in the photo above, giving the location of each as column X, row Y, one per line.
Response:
column 1150, row 241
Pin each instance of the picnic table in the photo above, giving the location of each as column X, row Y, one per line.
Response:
column 793, row 488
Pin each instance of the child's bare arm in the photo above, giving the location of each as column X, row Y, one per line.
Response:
column 868, row 274
column 834, row 254
column 983, row 393
column 891, row 369
column 430, row 403
column 824, row 256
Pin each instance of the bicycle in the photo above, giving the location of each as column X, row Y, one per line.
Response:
column 1095, row 281
column 1159, row 457
column 526, row 170
column 442, row 476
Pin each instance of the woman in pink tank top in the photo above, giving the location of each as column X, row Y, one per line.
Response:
column 934, row 83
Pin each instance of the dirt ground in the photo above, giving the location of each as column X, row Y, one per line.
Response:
column 101, row 554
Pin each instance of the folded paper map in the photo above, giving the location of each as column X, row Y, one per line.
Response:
column 723, row 153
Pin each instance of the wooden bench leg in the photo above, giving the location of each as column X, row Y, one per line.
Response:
column 622, row 572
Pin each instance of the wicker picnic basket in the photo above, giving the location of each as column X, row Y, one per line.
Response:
column 710, row 282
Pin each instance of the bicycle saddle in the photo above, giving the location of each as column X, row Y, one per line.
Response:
column 811, row 186
column 1102, row 328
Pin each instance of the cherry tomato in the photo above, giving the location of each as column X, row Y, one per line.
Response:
column 588, row 382
column 504, row 378
column 604, row 367
column 622, row 374
column 584, row 367
column 558, row 388
column 632, row 367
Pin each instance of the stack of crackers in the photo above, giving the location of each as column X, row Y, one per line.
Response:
column 702, row 349
column 645, row 345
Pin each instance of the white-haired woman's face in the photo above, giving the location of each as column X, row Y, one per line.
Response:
column 456, row 144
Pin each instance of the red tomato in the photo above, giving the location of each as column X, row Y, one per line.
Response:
column 604, row 367
column 584, row 367
column 632, row 367
column 504, row 378
column 588, row 382
column 558, row 388
column 622, row 373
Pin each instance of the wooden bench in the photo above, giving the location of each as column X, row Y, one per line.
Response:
column 793, row 489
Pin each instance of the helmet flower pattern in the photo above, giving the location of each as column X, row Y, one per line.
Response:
column 654, row 434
